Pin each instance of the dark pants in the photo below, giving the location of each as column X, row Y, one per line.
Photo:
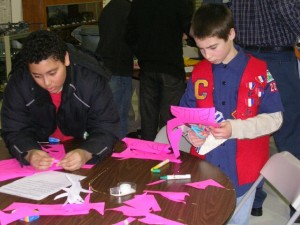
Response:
column 158, row 91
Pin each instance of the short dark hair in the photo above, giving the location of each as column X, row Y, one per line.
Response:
column 41, row 45
column 212, row 20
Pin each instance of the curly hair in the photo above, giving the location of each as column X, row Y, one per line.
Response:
column 212, row 20
column 41, row 45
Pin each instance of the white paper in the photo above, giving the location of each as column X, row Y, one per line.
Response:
column 40, row 185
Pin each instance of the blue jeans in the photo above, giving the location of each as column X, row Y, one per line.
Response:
column 243, row 215
column 121, row 89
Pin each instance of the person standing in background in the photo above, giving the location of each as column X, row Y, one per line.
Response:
column 117, row 56
column 154, row 32
column 268, row 29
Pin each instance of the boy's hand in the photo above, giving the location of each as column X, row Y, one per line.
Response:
column 39, row 159
column 75, row 159
column 223, row 131
column 198, row 140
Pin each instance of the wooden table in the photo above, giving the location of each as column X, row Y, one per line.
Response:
column 211, row 206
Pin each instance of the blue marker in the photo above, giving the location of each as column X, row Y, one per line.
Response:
column 53, row 140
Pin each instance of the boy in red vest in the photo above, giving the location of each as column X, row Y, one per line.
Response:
column 241, row 88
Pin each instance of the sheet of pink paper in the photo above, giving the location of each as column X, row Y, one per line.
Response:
column 25, row 209
column 156, row 182
column 126, row 221
column 183, row 115
column 144, row 202
column 10, row 168
column 204, row 184
column 141, row 149
column 155, row 219
column 147, row 146
column 130, row 211
column 173, row 196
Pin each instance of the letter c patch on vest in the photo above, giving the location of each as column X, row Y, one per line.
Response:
column 201, row 86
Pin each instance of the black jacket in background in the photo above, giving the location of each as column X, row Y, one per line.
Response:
column 155, row 30
column 28, row 114
column 113, row 49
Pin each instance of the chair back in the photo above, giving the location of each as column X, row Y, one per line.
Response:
column 282, row 171
column 162, row 137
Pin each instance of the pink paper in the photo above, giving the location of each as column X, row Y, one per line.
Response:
column 11, row 168
column 144, row 202
column 183, row 115
column 173, row 196
column 126, row 221
column 155, row 219
column 156, row 182
column 141, row 149
column 20, row 210
column 130, row 211
column 204, row 184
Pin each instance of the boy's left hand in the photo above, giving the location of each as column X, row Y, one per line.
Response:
column 224, row 131
column 75, row 159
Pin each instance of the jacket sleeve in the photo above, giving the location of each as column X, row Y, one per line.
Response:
column 102, row 121
column 17, row 130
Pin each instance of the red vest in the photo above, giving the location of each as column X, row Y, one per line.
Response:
column 251, row 154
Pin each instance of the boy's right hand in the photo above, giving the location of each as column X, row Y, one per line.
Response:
column 39, row 159
column 197, row 140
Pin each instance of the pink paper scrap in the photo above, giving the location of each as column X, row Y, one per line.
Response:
column 204, row 184
column 155, row 219
column 156, row 182
column 173, row 196
column 126, row 221
column 18, row 210
column 144, row 202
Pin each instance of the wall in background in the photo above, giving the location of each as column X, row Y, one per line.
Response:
column 11, row 11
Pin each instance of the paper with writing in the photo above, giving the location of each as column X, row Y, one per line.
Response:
column 40, row 185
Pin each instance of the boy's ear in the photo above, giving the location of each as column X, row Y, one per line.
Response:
column 231, row 35
column 67, row 59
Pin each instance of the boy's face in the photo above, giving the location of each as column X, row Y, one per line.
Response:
column 217, row 50
column 50, row 74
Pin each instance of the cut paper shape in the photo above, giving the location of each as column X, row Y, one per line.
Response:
column 73, row 192
column 11, row 168
column 204, row 184
column 155, row 219
column 25, row 209
column 144, row 202
column 173, row 196
column 126, row 221
column 130, row 211
column 142, row 149
column 210, row 143
column 155, row 182
column 184, row 115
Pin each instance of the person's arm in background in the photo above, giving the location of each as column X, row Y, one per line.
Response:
column 131, row 34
